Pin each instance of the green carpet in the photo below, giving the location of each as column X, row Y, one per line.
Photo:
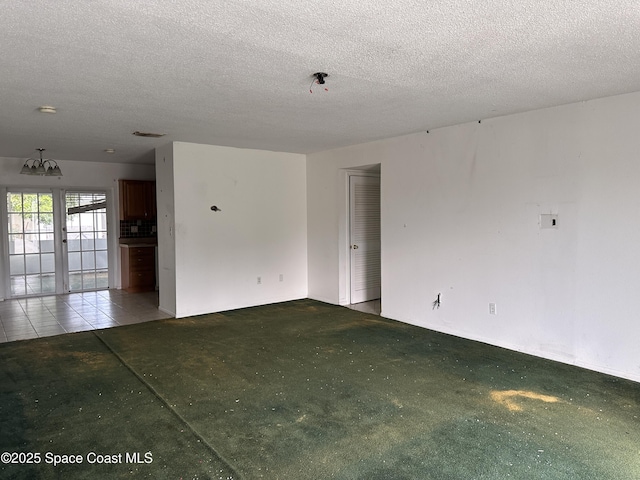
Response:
column 305, row 390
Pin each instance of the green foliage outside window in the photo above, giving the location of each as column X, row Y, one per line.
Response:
column 32, row 206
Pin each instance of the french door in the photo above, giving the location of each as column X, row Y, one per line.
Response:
column 87, row 257
column 57, row 242
column 33, row 269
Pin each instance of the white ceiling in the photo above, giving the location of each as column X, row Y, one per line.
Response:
column 238, row 72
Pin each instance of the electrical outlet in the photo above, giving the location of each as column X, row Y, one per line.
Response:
column 259, row 280
column 282, row 277
column 492, row 309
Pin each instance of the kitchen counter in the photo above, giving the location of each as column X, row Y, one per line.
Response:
column 139, row 242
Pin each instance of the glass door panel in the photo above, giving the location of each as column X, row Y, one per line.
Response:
column 31, row 243
column 86, row 231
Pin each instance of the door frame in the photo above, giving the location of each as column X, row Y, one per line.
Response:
column 111, row 251
column 5, row 283
column 59, row 193
column 344, row 250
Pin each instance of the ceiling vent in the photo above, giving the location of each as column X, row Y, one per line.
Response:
column 148, row 134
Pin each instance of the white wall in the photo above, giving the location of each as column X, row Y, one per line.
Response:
column 460, row 217
column 96, row 175
column 79, row 175
column 165, row 195
column 260, row 232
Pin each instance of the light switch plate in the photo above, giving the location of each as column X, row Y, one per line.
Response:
column 549, row 220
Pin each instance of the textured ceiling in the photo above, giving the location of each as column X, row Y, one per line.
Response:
column 238, row 73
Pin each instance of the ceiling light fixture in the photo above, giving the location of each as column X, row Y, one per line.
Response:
column 44, row 168
column 318, row 78
column 109, row 150
column 47, row 109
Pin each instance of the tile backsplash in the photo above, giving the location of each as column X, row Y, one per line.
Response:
column 137, row 228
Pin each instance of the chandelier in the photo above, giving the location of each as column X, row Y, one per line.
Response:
column 35, row 166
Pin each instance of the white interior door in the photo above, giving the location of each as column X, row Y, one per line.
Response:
column 364, row 230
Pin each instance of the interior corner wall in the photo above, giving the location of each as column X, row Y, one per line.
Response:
column 259, row 232
column 461, row 217
column 165, row 207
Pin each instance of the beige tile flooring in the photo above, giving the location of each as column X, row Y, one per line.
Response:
column 35, row 317
column 372, row 306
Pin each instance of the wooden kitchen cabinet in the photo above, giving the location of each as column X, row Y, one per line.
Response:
column 137, row 199
column 138, row 268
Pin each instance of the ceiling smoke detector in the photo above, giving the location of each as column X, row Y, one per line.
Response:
column 148, row 134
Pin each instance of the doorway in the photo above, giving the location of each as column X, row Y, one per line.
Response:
column 364, row 238
column 87, row 258
column 57, row 242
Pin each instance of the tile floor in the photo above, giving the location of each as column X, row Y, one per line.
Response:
column 35, row 317
column 372, row 306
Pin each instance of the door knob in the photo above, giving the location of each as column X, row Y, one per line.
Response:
column 64, row 240
column 355, row 247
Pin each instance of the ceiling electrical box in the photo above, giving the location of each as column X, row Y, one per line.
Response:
column 548, row 220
